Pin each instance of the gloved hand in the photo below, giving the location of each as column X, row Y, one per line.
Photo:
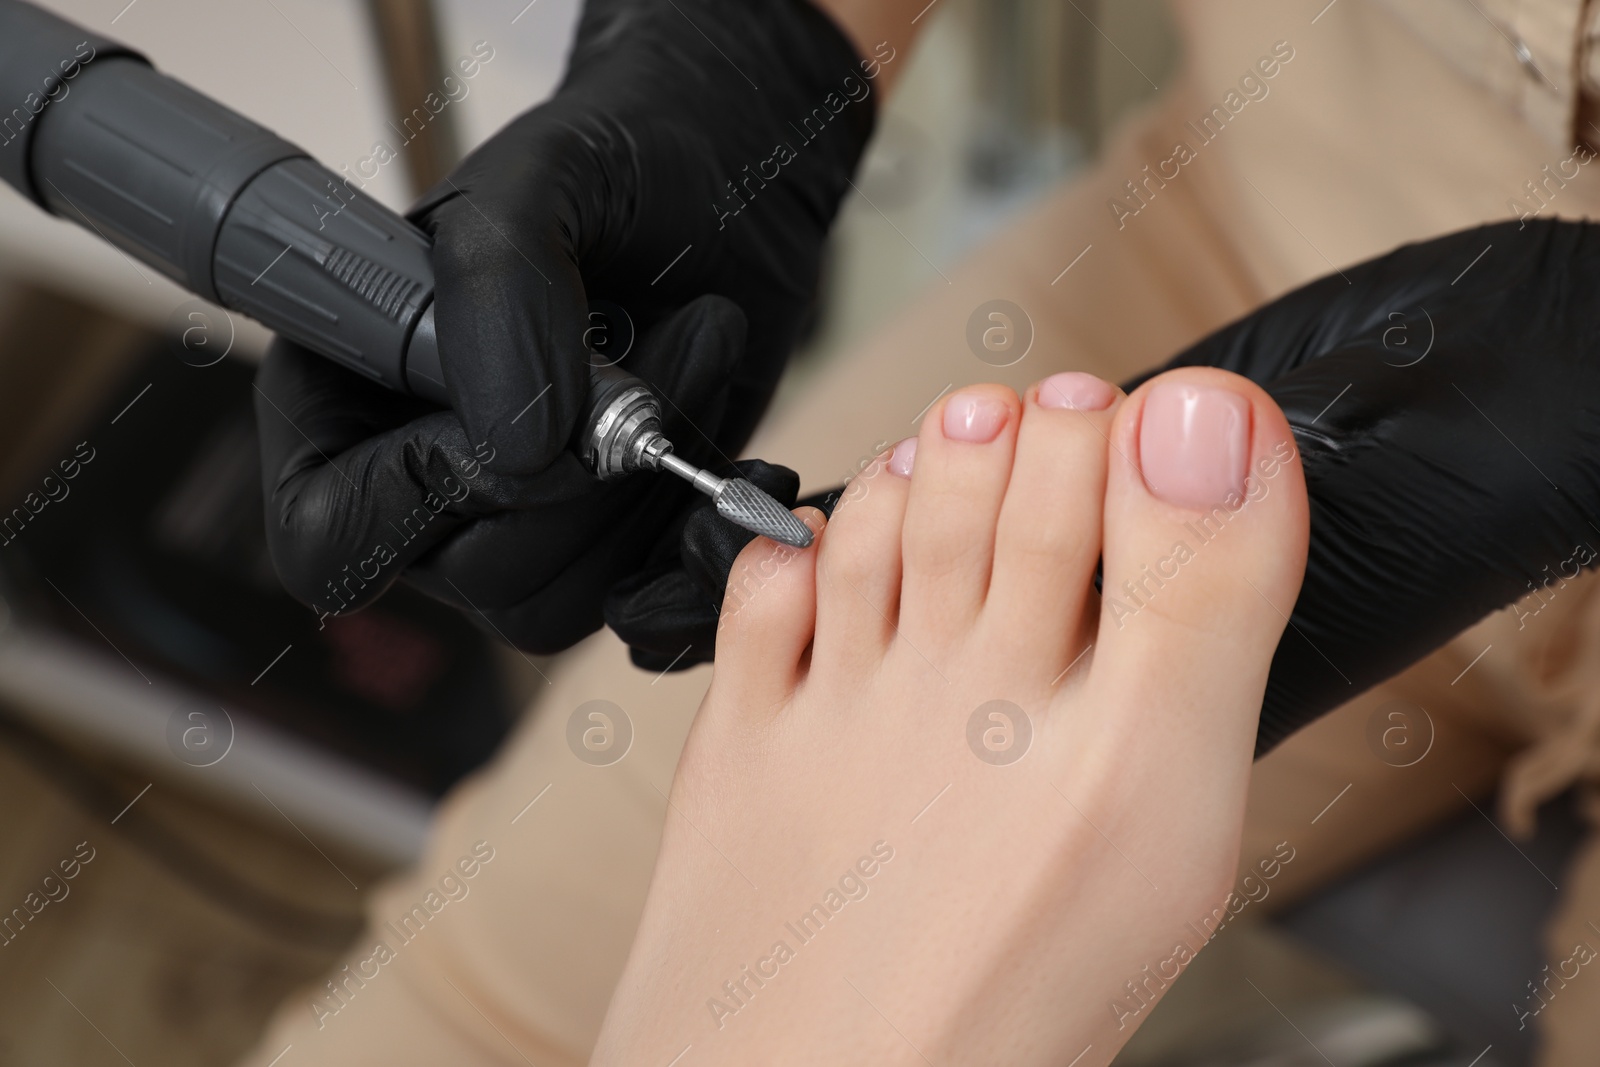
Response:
column 362, row 483
column 667, row 166
column 1449, row 426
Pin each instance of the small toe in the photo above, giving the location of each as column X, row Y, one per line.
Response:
column 964, row 455
column 1041, row 597
column 858, row 565
column 769, row 613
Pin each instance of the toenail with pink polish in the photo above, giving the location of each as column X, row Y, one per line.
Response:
column 903, row 457
column 1076, row 391
column 1194, row 444
column 974, row 417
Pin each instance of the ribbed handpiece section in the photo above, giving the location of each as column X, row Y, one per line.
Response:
column 389, row 292
column 222, row 206
column 744, row 504
column 327, row 266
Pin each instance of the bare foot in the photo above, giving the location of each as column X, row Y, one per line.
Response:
column 944, row 803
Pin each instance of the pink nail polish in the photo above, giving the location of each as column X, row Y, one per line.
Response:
column 974, row 417
column 1194, row 443
column 903, row 457
column 1075, row 391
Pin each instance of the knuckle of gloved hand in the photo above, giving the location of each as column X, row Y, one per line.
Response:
column 442, row 472
column 507, row 464
column 310, row 560
column 528, row 449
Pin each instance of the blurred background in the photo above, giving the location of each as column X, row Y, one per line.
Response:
column 242, row 778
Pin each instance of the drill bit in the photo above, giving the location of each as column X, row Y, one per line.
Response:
column 621, row 433
column 741, row 502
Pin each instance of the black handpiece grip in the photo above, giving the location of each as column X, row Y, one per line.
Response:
column 222, row 206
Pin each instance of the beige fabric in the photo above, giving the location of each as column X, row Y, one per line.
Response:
column 1369, row 136
column 1531, row 55
column 1550, row 674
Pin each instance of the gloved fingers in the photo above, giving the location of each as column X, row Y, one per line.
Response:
column 510, row 313
column 621, row 186
column 321, row 406
column 358, row 481
column 1389, row 303
column 495, row 571
column 669, row 612
column 500, row 560
column 668, row 621
column 1439, row 492
column 710, row 543
column 1452, row 469
column 565, row 610
column 532, row 575
column 487, row 570
column 519, row 565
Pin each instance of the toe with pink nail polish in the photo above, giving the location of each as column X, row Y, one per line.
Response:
column 974, row 417
column 903, row 457
column 1076, row 391
column 1194, row 443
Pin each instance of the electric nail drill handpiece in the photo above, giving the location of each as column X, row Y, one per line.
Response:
column 90, row 131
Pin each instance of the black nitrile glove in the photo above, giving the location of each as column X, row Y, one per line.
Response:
column 1449, row 426
column 668, row 613
column 362, row 483
column 695, row 147
column 672, row 606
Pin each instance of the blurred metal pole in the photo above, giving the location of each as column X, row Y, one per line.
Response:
column 1035, row 64
column 413, row 67
column 1055, row 76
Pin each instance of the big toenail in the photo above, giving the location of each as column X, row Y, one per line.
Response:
column 903, row 456
column 1075, row 391
column 1194, row 444
column 975, row 417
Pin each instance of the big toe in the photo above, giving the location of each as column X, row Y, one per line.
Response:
column 1206, row 526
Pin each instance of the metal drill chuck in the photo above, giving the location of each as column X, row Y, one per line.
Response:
column 621, row 434
column 623, row 427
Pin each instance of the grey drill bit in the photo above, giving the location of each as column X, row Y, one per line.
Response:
column 621, row 433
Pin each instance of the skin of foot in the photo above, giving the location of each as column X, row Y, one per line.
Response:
column 945, row 803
